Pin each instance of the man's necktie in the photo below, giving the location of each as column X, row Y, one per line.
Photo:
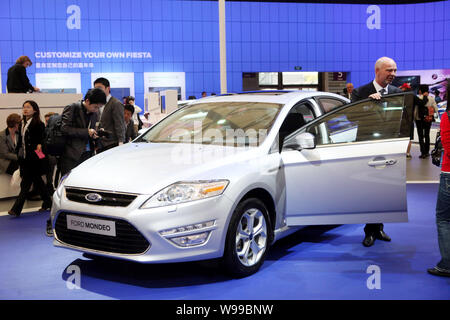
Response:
column 382, row 91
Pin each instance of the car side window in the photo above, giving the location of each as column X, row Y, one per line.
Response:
column 329, row 104
column 297, row 117
column 365, row 121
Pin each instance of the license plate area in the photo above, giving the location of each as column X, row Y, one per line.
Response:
column 91, row 225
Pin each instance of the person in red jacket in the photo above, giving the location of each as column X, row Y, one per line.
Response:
column 443, row 200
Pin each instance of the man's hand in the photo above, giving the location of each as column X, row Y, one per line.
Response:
column 93, row 133
column 376, row 96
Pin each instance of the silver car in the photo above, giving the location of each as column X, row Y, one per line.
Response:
column 228, row 176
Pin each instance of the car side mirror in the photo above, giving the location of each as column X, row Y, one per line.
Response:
column 304, row 140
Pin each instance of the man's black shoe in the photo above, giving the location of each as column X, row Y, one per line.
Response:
column 49, row 230
column 45, row 207
column 369, row 240
column 381, row 235
column 439, row 272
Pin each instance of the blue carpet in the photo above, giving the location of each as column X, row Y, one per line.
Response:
column 320, row 262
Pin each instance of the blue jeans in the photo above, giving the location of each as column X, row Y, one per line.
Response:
column 443, row 221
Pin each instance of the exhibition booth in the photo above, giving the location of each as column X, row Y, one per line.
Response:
column 260, row 179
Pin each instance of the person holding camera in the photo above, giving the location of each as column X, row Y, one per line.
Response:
column 78, row 124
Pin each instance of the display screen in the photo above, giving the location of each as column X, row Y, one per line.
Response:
column 413, row 81
column 268, row 78
column 300, row 78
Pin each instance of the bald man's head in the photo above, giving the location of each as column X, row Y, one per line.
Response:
column 385, row 71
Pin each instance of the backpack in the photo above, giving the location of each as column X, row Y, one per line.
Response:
column 422, row 109
column 54, row 140
column 438, row 152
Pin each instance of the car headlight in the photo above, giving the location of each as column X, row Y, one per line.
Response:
column 60, row 188
column 184, row 192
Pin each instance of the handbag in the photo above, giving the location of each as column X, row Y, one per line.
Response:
column 16, row 179
column 430, row 116
column 437, row 152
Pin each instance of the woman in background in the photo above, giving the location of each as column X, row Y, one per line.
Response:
column 9, row 141
column 30, row 154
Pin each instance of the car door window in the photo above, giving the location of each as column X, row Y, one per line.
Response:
column 364, row 121
column 329, row 104
column 297, row 117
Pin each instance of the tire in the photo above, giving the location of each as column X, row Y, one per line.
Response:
column 248, row 238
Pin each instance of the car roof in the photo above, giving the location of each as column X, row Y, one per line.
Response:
column 269, row 96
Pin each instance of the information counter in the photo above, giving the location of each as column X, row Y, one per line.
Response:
column 47, row 102
column 12, row 103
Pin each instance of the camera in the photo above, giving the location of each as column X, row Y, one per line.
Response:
column 103, row 133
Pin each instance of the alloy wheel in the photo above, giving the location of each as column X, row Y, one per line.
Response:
column 251, row 237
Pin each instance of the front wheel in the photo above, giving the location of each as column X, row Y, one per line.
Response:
column 248, row 238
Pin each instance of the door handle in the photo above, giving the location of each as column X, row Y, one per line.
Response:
column 386, row 162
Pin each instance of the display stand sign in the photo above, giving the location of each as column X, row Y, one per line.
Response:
column 121, row 83
column 59, row 82
column 162, row 81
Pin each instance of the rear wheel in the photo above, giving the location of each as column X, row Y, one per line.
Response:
column 248, row 238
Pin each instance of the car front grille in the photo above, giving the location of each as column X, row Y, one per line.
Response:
column 128, row 239
column 106, row 198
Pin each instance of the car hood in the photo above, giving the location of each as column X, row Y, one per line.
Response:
column 145, row 168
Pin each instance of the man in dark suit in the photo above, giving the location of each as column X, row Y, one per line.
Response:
column 385, row 70
column 17, row 81
column 130, row 134
column 348, row 90
column 78, row 124
column 111, row 119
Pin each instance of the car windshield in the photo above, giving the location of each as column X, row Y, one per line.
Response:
column 219, row 123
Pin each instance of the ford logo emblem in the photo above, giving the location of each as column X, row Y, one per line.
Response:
column 93, row 197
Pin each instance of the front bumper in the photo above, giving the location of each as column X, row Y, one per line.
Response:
column 149, row 225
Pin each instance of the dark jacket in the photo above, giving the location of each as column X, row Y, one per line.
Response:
column 18, row 81
column 130, row 134
column 8, row 152
column 28, row 159
column 112, row 120
column 365, row 91
column 75, row 127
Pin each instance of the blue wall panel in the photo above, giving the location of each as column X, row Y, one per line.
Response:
column 183, row 35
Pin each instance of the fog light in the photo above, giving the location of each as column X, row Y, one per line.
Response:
column 193, row 227
column 191, row 240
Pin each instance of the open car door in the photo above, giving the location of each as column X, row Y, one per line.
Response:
column 355, row 169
